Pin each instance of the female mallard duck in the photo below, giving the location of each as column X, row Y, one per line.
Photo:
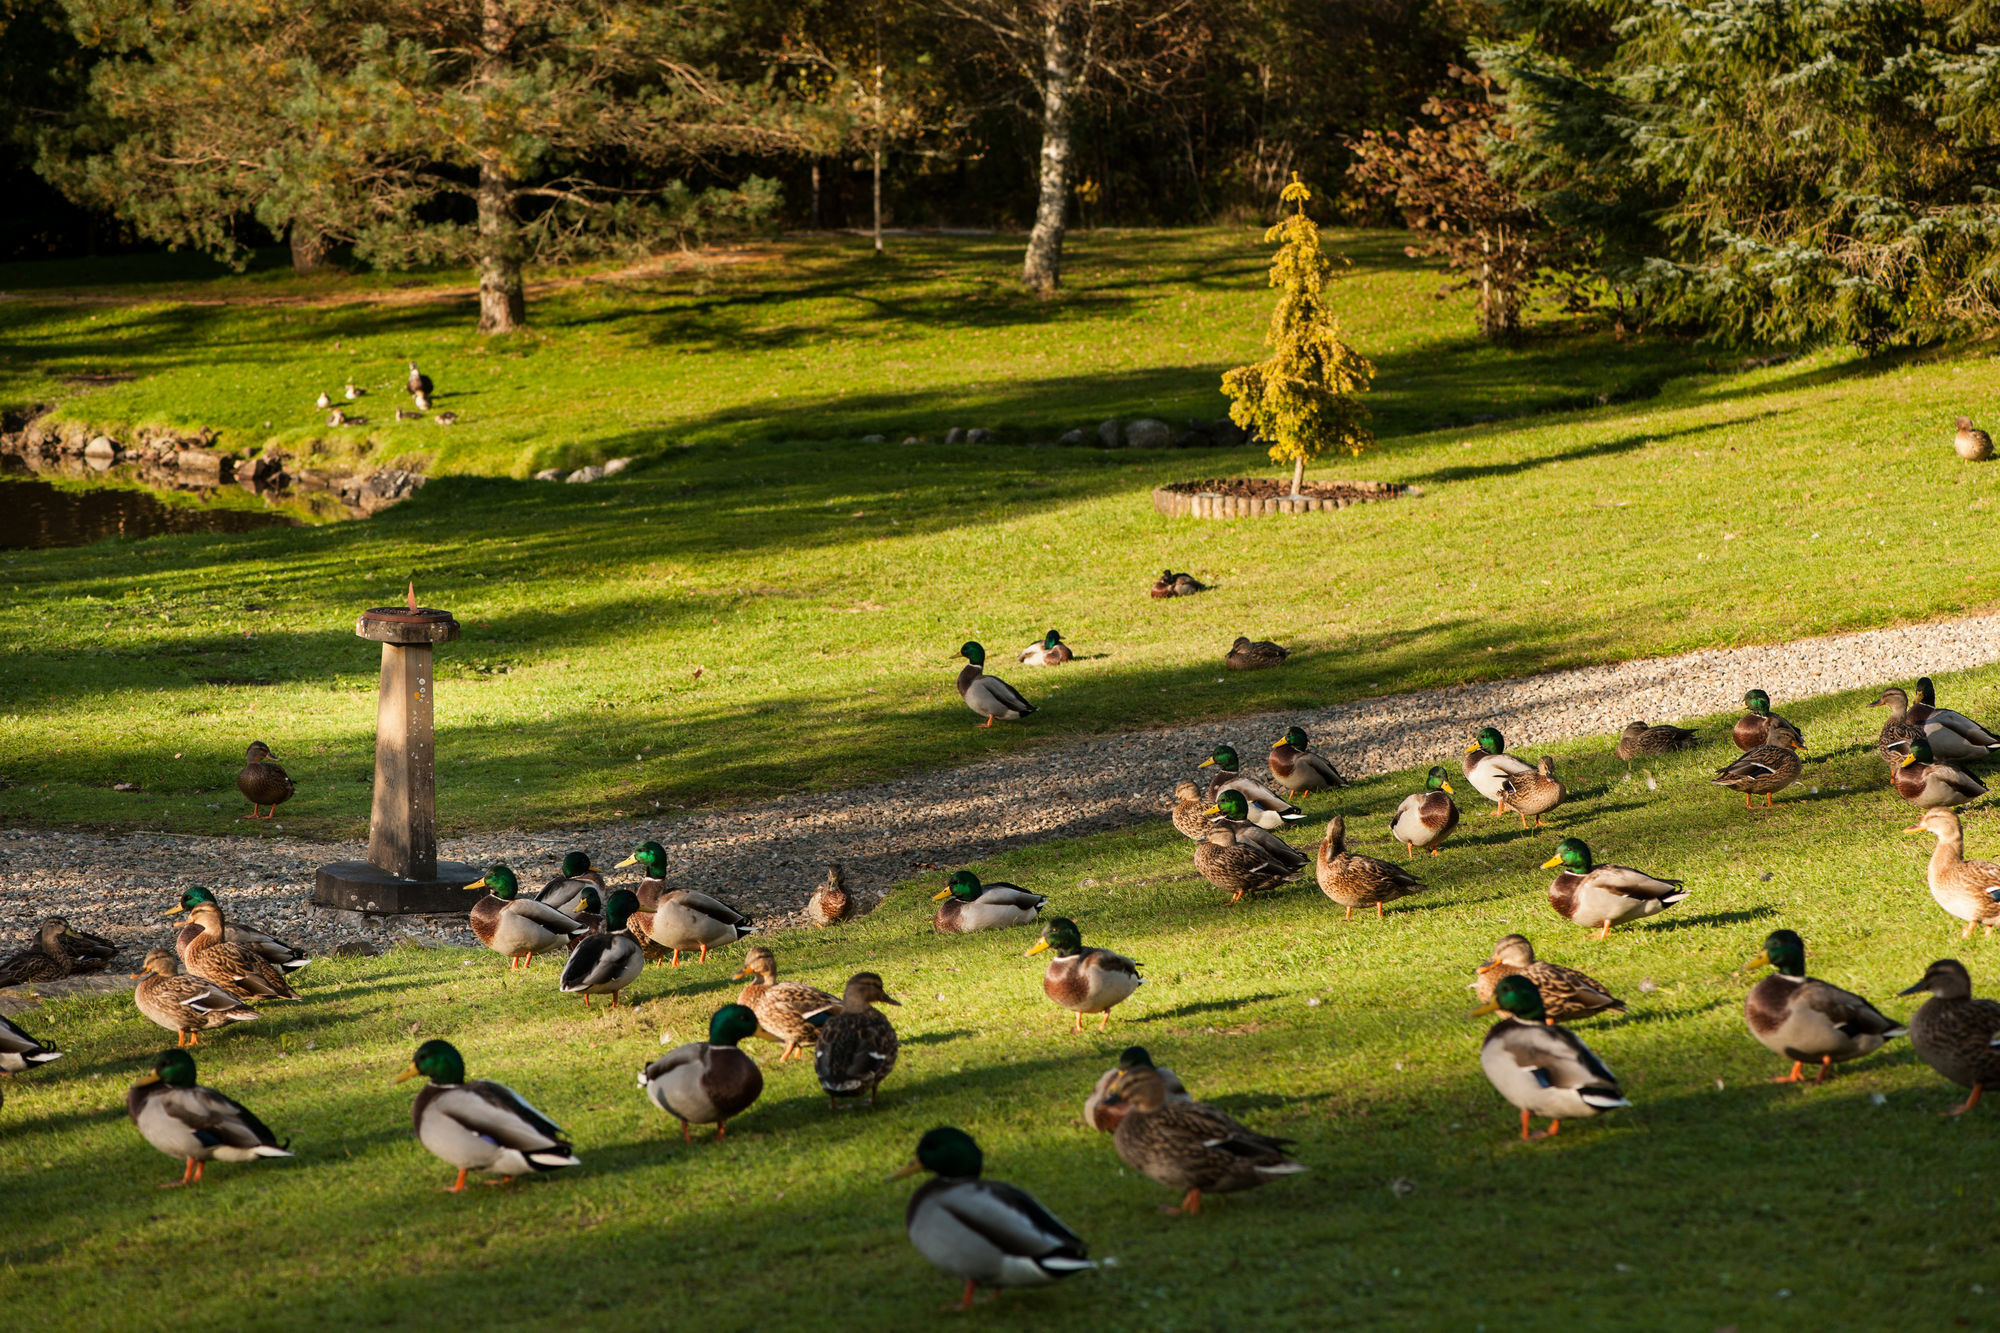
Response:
column 1084, row 981
column 1493, row 767
column 1543, row 1069
column 970, row 905
column 1232, row 811
column 1534, row 793
column 46, row 959
column 707, row 1082
column 1190, row 813
column 857, row 1043
column 270, row 948
column 577, row 873
column 783, row 1008
column 183, row 1005
column 1266, row 809
column 1604, row 896
column 1761, row 726
column 1955, row 1034
column 1803, row 1018
column 1971, row 443
column 519, row 927
column 237, row 969
column 1761, row 772
column 262, row 782
column 19, row 1051
column 1968, row 890
column 985, row 1231
column 1298, row 769
column 198, row 1125
column 480, row 1125
column 1566, row 993
column 1425, row 818
column 830, row 901
column 988, row 696
column 1051, row 651
column 1923, row 781
column 1353, row 880
column 1249, row 655
column 1190, row 1146
column 1898, row 733
column 1958, row 722
column 88, row 953
column 606, row 961
column 1187, row 585
column 587, row 910
column 1103, row 1117
column 1639, row 739
column 1237, row 866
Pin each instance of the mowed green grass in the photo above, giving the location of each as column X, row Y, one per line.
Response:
column 1716, row 1200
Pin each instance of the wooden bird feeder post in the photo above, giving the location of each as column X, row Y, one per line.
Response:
column 402, row 872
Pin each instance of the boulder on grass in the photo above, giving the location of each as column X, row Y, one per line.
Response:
column 1075, row 438
column 1146, row 433
column 1109, row 432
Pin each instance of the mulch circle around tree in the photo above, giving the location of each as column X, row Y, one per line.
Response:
column 1248, row 497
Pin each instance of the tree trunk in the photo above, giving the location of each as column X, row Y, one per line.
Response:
column 1298, row 474
column 877, row 154
column 309, row 248
column 815, row 194
column 1042, row 269
column 503, row 305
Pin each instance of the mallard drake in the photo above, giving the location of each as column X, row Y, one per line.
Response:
column 652, row 886
column 1232, row 811
column 270, row 948
column 606, row 961
column 1353, row 880
column 1425, row 818
column 1970, row 443
column 262, row 782
column 47, row 958
column 1084, row 981
column 1955, row 1034
column 587, row 910
column 1298, row 769
column 240, row 970
column 199, row 1125
column 1535, row 793
column 1190, row 812
column 830, row 901
column 1761, row 772
column 1979, row 742
column 857, row 1043
column 480, row 1125
column 1898, row 733
column 1254, row 655
column 1489, row 772
column 1566, row 993
column 1761, row 726
column 707, row 1082
column 419, row 384
column 1921, row 780
column 985, row 1231
column 1163, row 586
column 783, row 1008
column 183, row 1005
column 1104, row 1118
column 1604, row 896
column 1803, row 1018
column 1267, row 810
column 577, row 872
column 1639, row 739
column 1188, row 1145
column 1543, row 1069
column 1238, row 866
column 1968, row 890
column 685, row 921
column 19, row 1051
column 1051, row 651
column 970, row 905
column 519, row 927
column 988, row 696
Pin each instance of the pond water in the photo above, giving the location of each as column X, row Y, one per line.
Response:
column 35, row 513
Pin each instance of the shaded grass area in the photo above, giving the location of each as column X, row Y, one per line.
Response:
column 1715, row 1200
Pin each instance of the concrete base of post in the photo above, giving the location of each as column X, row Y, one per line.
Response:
column 361, row 886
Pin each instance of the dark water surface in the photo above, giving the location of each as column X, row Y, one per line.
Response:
column 36, row 513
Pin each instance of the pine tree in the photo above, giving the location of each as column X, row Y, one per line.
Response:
column 1304, row 397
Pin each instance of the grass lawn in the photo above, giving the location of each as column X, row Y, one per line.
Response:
column 1716, row 1200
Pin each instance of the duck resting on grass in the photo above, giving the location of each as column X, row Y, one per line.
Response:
column 1050, row 651
column 857, row 1043
column 986, row 1232
column 605, row 961
column 185, row 1006
column 1604, row 896
column 1639, row 739
column 480, row 1125
column 1955, row 1034
column 1103, row 1117
column 263, row 782
column 199, row 1125
column 19, row 1051
column 1923, row 781
column 519, row 927
column 1766, row 770
column 1541, row 1068
column 1803, row 1018
column 1298, row 769
column 1190, row 1146
column 1254, row 654
column 1968, row 890
column 1566, row 993
column 1488, row 773
column 988, row 696
column 970, row 905
column 268, row 947
column 47, row 958
column 1084, row 981
column 1353, row 880
column 1761, row 726
column 784, row 1009
column 1267, row 810
column 830, row 902
column 707, row 1082
column 1425, row 818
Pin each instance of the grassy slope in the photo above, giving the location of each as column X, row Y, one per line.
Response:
column 1716, row 1201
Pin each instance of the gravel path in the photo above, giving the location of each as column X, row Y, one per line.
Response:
column 767, row 857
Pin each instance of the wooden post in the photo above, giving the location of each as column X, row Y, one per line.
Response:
column 402, row 827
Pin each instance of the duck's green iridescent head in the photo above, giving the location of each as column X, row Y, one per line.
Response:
column 963, row 885
column 1926, row 694
column 1134, row 1057
column 590, row 900
column 947, row 1152
column 730, row 1024
column 1436, row 780
column 1490, row 740
column 1519, row 997
column 1294, row 737
column 618, row 908
column 1060, row 934
column 973, row 653
column 175, row 1069
column 438, row 1061
column 1222, row 757
column 1757, row 702
column 1051, row 639
column 576, row 863
column 499, row 881
column 196, row 895
column 1784, row 950
column 1920, row 753
column 1233, row 804
column 1572, row 854
column 650, row 855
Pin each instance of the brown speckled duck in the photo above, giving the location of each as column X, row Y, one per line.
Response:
column 236, row 968
column 1566, row 992
column 1254, row 655
column 830, row 902
column 262, row 782
column 1081, row 980
column 1898, row 732
column 1190, row 1146
column 1639, row 739
column 47, row 957
column 857, row 1043
column 1971, row 443
column 1955, row 1034
column 1535, row 793
column 1104, row 1117
column 1237, row 866
column 1190, row 812
column 782, row 1007
column 185, row 1006
column 1764, row 771
column 1968, row 890
column 1353, row 880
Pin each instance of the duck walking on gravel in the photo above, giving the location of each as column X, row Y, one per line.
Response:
column 1298, row 769
column 857, row 1043
column 1955, row 1034
column 1764, row 771
column 784, row 1009
column 1805, row 1019
column 199, row 1125
column 1084, row 980
column 605, row 961
column 1049, row 651
column 263, row 782
column 1968, row 890
column 283, row 956
column 1605, row 896
column 1267, row 809
column 986, row 1232
column 185, row 1006
column 19, row 1051
column 1353, row 880
column 1487, row 765
column 1254, row 654
column 1239, row 867
column 1190, row 1146
column 1232, row 811
column 830, row 901
column 1761, row 726
column 1535, row 793
column 708, row 1082
column 1923, row 781
column 238, row 969
column 479, row 1125
column 1952, row 735
column 1103, row 1116
column 1425, row 818
column 1639, row 739
column 519, row 927
column 988, row 696
column 1541, row 1068
column 970, row 905
column 1566, row 993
